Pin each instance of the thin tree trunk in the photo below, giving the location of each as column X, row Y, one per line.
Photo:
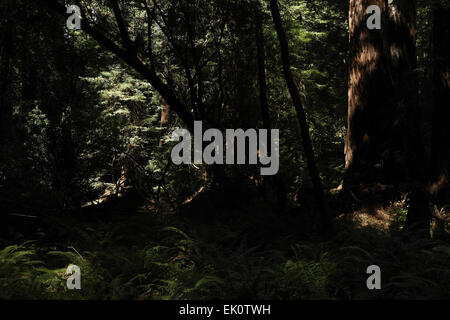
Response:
column 301, row 116
column 262, row 73
column 165, row 118
column 273, row 185
column 5, row 71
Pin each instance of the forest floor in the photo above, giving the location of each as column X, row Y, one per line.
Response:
column 250, row 253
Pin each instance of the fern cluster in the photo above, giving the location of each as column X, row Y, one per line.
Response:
column 139, row 257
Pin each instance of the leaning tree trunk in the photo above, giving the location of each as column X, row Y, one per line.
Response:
column 304, row 127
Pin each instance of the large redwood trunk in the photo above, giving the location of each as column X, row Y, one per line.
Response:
column 382, row 92
column 371, row 111
column 384, row 141
column 366, row 51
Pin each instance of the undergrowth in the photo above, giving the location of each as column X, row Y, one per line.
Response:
column 140, row 257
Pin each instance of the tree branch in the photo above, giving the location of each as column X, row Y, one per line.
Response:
column 128, row 44
column 133, row 61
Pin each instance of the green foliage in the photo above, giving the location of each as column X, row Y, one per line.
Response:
column 410, row 270
column 23, row 276
column 139, row 257
column 399, row 214
column 317, row 35
column 306, row 276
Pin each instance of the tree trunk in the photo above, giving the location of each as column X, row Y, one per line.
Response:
column 274, row 189
column 440, row 83
column 384, row 142
column 165, row 119
column 304, row 127
column 261, row 55
column 7, row 48
column 382, row 93
column 369, row 115
column 402, row 45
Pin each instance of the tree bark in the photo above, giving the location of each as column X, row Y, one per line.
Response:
column 274, row 188
column 7, row 48
column 382, row 93
column 440, row 83
column 368, row 113
column 384, row 142
column 165, row 119
column 261, row 56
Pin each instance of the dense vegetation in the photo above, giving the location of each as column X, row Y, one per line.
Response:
column 86, row 177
